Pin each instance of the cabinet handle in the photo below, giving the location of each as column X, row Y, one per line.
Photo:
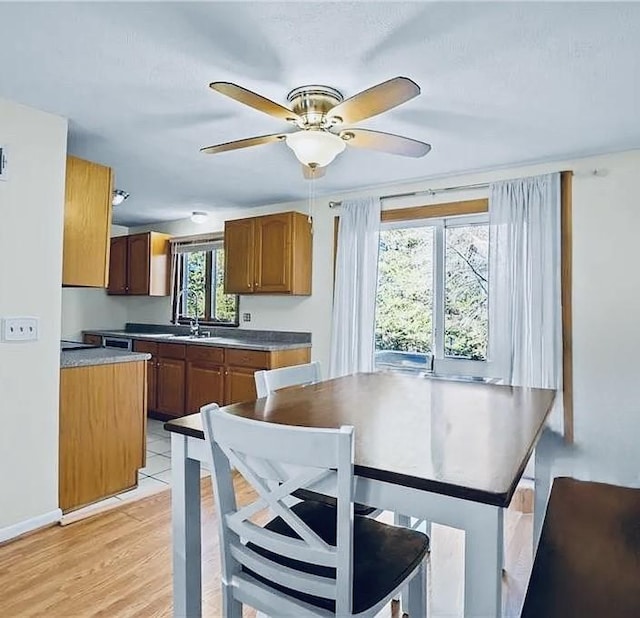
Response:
column 248, row 285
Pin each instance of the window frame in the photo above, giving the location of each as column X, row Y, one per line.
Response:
column 442, row 364
column 177, row 316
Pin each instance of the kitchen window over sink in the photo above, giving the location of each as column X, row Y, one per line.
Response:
column 432, row 297
column 198, row 282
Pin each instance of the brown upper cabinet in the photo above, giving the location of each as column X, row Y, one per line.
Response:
column 268, row 255
column 139, row 264
column 87, row 224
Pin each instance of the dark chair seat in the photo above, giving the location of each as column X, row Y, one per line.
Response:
column 588, row 560
column 383, row 555
column 314, row 496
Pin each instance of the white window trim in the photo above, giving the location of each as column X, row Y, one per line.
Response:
column 443, row 365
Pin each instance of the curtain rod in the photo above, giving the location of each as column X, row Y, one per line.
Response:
column 481, row 185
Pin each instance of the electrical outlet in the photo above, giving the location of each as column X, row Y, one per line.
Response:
column 20, row 329
column 246, row 317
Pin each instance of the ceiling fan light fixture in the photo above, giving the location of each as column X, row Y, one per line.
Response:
column 197, row 216
column 315, row 148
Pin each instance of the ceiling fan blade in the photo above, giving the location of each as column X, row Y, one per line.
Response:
column 375, row 100
column 385, row 142
column 257, row 101
column 309, row 173
column 243, row 143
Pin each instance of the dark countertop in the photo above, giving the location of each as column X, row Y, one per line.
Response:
column 267, row 341
column 99, row 356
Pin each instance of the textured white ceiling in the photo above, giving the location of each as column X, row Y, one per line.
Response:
column 502, row 83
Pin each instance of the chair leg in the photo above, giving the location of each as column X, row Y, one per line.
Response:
column 417, row 605
column 405, row 521
column 231, row 607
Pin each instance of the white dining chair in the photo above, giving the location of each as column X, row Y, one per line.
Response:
column 268, row 381
column 311, row 559
column 271, row 380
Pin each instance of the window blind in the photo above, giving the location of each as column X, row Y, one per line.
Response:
column 202, row 242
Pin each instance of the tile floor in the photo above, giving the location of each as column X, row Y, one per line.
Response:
column 154, row 477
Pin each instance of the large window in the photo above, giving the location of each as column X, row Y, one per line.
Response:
column 200, row 288
column 432, row 299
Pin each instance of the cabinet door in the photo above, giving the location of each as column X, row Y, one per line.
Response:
column 152, row 370
column 138, row 264
column 87, row 224
column 239, row 256
column 170, row 387
column 92, row 339
column 239, row 385
column 152, row 381
column 118, row 266
column 273, row 253
column 204, row 385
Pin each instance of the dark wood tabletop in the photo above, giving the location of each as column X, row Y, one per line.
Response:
column 588, row 560
column 462, row 439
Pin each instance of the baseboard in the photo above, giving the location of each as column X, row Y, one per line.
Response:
column 29, row 525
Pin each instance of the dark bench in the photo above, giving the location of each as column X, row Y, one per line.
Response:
column 588, row 559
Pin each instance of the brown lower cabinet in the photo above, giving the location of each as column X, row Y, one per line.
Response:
column 205, row 373
column 102, row 431
column 170, row 386
column 149, row 347
column 182, row 378
column 240, row 384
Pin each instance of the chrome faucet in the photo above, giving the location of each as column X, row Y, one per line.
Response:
column 194, row 323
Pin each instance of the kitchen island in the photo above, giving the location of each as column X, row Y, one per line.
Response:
column 102, row 424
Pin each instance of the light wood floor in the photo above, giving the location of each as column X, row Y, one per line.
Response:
column 118, row 564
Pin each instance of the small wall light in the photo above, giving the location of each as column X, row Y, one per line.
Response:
column 118, row 197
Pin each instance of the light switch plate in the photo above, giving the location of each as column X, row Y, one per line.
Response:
column 20, row 329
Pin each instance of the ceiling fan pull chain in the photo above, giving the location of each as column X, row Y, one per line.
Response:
column 312, row 197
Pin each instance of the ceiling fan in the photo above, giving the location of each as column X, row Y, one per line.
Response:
column 319, row 114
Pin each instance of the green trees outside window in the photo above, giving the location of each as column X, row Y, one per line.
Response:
column 202, row 282
column 435, row 269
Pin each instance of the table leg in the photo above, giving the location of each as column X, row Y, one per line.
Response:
column 185, row 516
column 483, row 562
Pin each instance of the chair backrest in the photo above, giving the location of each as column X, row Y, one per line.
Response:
column 276, row 460
column 270, row 380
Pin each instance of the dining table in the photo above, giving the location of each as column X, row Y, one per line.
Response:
column 448, row 452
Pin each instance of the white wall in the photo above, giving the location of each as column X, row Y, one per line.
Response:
column 92, row 308
column 31, row 217
column 606, row 295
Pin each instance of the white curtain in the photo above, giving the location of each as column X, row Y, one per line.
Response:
column 354, row 297
column 525, row 318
